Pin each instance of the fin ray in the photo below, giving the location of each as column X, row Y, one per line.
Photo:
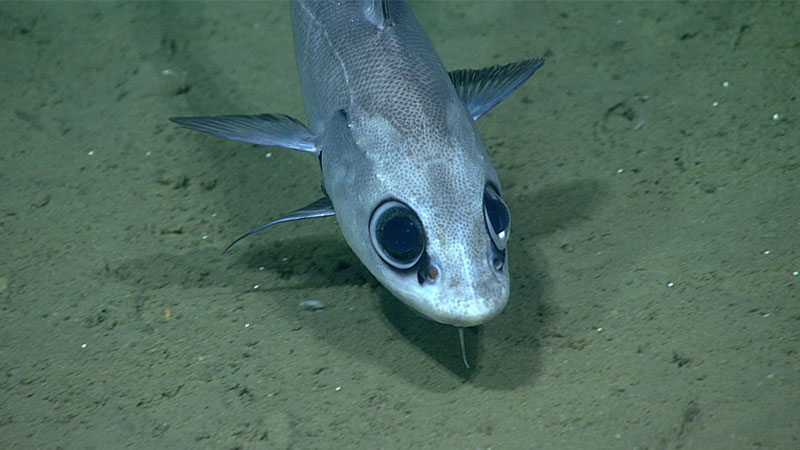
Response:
column 377, row 12
column 320, row 208
column 482, row 89
column 277, row 130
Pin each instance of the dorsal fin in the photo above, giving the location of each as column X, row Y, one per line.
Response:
column 377, row 12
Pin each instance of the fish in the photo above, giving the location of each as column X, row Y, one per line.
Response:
column 404, row 170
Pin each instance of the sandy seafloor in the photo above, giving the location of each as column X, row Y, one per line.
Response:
column 652, row 168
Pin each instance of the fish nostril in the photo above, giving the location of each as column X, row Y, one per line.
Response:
column 428, row 275
column 498, row 263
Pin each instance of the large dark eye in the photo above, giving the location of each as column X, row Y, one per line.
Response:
column 498, row 219
column 397, row 234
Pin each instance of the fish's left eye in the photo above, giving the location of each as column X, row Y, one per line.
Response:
column 397, row 234
column 498, row 219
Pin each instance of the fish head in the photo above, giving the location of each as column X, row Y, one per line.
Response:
column 423, row 213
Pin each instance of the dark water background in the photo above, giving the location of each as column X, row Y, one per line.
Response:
column 653, row 172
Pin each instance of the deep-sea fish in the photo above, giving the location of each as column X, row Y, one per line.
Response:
column 403, row 168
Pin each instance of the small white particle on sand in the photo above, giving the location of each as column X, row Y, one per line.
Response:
column 311, row 305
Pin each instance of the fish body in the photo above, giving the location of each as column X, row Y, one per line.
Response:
column 403, row 167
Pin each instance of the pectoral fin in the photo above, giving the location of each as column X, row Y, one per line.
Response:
column 320, row 208
column 482, row 89
column 262, row 129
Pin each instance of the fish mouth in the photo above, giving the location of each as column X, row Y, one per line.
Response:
column 464, row 314
column 471, row 321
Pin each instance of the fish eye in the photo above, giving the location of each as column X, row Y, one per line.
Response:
column 397, row 234
column 498, row 219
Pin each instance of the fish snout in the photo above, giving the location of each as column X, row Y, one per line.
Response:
column 469, row 292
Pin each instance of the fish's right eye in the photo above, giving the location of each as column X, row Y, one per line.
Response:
column 397, row 234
